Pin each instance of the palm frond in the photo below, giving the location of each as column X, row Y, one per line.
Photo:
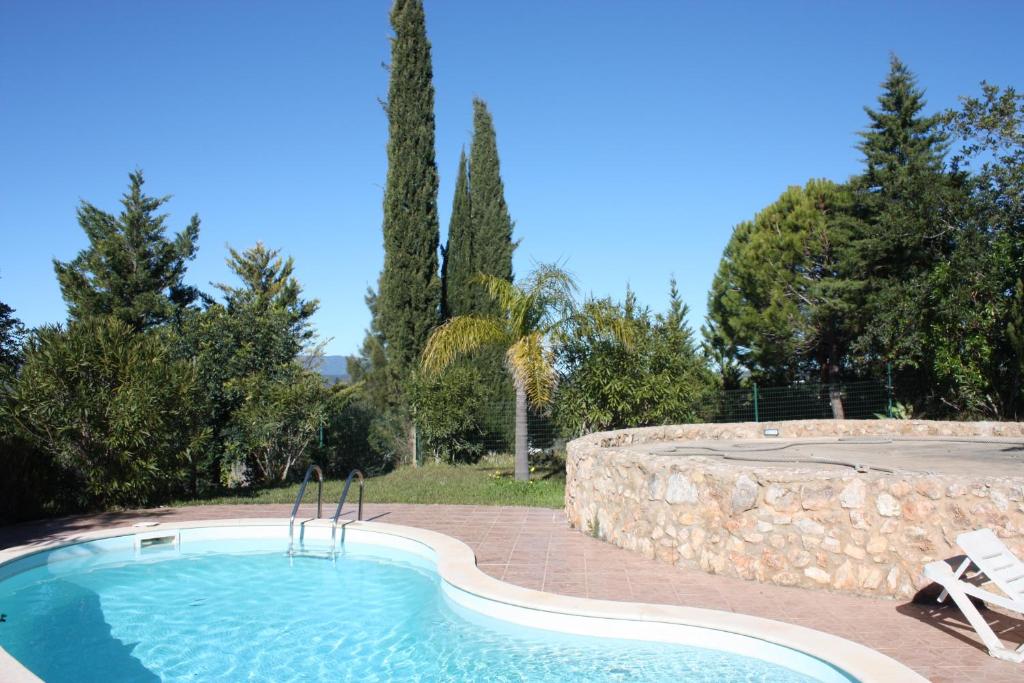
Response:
column 531, row 364
column 505, row 294
column 552, row 294
column 517, row 306
column 460, row 335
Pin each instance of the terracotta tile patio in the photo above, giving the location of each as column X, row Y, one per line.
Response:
column 535, row 548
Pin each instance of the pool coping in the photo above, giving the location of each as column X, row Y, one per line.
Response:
column 456, row 564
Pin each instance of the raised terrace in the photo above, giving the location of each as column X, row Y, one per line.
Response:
column 858, row 506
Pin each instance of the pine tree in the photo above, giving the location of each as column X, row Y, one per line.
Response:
column 409, row 294
column 12, row 334
column 899, row 139
column 906, row 200
column 492, row 225
column 904, row 154
column 780, row 301
column 268, row 283
column 130, row 270
column 675, row 318
column 459, row 268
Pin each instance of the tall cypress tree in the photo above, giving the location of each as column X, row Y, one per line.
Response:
column 408, row 300
column 492, row 225
column 492, row 255
column 459, row 266
column 130, row 270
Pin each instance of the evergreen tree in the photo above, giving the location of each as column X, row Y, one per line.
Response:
column 459, row 267
column 675, row 317
column 492, row 226
column 900, row 140
column 130, row 270
column 904, row 153
column 242, row 350
column 409, row 295
column 907, row 201
column 268, row 284
column 492, row 248
column 12, row 334
column 781, row 300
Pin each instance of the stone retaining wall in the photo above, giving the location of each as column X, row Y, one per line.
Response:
column 859, row 533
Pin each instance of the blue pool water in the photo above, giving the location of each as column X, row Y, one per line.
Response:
column 242, row 611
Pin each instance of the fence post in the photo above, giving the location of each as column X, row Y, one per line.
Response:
column 888, row 389
column 756, row 414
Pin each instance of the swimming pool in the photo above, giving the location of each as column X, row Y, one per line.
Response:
column 222, row 601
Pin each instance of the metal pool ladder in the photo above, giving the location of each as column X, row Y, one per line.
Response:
column 298, row 502
column 319, row 505
column 341, row 503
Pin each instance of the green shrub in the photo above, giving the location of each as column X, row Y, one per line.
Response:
column 650, row 375
column 450, row 415
column 278, row 421
column 110, row 407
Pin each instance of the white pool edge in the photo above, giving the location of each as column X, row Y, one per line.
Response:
column 467, row 585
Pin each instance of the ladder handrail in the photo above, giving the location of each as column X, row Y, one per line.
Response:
column 341, row 502
column 298, row 501
column 344, row 494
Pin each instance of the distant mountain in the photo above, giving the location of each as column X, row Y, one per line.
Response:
column 333, row 368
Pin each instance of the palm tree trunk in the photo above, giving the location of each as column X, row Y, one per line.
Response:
column 522, row 461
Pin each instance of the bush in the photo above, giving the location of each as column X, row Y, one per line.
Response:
column 449, row 415
column 656, row 378
column 346, row 443
column 278, row 422
column 110, row 407
column 33, row 484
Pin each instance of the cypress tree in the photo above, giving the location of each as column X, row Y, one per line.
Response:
column 409, row 295
column 459, row 267
column 492, row 248
column 130, row 270
column 492, row 225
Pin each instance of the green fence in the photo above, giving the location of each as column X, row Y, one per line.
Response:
column 859, row 400
column 862, row 400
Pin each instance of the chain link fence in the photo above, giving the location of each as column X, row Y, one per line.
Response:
column 857, row 400
column 861, row 400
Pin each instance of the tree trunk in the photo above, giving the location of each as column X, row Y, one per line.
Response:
column 412, row 445
column 522, row 459
column 835, row 394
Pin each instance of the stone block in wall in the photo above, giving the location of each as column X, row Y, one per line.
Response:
column 858, row 533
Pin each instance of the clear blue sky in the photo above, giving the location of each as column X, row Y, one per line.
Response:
column 633, row 136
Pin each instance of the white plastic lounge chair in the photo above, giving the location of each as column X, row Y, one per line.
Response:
column 1001, row 567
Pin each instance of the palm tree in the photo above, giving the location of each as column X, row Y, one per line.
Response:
column 529, row 316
